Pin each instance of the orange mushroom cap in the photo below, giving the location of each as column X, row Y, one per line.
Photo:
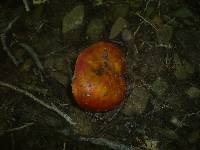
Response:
column 98, row 83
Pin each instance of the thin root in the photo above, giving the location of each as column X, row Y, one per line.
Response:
column 51, row 107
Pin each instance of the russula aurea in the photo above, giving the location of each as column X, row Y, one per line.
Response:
column 98, row 83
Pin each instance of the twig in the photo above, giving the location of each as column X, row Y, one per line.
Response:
column 159, row 7
column 187, row 116
column 64, row 146
column 26, row 5
column 108, row 143
column 3, row 40
column 33, row 54
column 147, row 4
column 64, row 115
column 34, row 88
column 51, row 107
column 147, row 21
column 138, row 28
column 6, row 49
column 10, row 24
column 21, row 127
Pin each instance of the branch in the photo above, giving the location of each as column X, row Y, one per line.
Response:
column 33, row 54
column 146, row 6
column 51, row 107
column 10, row 24
column 108, row 143
column 138, row 28
column 6, row 49
column 190, row 115
column 147, row 21
column 21, row 127
column 26, row 5
column 3, row 40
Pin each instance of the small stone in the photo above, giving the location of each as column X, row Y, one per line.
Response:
column 137, row 101
column 159, row 86
column 183, row 69
column 193, row 92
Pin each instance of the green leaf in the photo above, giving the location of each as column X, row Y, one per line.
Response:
column 73, row 19
column 119, row 25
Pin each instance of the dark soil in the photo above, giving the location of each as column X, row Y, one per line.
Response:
column 161, row 45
